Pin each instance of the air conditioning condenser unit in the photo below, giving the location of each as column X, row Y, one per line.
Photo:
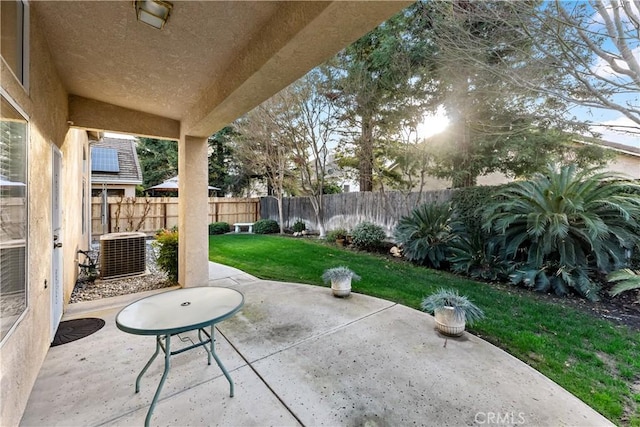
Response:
column 122, row 255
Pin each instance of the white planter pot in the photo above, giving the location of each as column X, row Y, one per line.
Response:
column 341, row 288
column 447, row 323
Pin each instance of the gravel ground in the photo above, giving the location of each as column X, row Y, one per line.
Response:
column 154, row 279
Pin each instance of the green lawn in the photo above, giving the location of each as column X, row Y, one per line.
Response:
column 597, row 361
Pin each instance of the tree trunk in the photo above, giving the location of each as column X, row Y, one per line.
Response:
column 366, row 154
column 316, row 203
column 466, row 177
column 280, row 213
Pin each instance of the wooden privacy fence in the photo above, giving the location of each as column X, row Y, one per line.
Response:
column 346, row 210
column 126, row 214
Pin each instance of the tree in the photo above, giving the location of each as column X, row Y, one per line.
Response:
column 224, row 170
column 264, row 150
column 158, row 160
column 310, row 125
column 289, row 136
column 595, row 46
column 382, row 81
column 496, row 124
column 465, row 56
column 410, row 167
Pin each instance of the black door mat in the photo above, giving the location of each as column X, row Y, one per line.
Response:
column 72, row 330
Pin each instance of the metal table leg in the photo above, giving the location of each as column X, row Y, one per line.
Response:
column 139, row 377
column 167, row 365
column 222, row 368
column 211, row 351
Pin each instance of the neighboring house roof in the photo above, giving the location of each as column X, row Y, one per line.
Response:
column 115, row 161
column 620, row 148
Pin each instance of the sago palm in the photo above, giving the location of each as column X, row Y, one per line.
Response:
column 426, row 234
column 565, row 225
column 625, row 279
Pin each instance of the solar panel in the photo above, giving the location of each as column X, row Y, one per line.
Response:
column 104, row 160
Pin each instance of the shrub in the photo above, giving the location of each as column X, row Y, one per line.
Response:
column 219, row 228
column 468, row 204
column 477, row 256
column 563, row 226
column 266, row 226
column 338, row 233
column 331, row 188
column 368, row 236
column 426, row 234
column 167, row 241
column 299, row 226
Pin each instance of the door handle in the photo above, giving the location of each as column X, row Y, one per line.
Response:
column 57, row 245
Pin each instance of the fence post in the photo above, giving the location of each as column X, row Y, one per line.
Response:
column 164, row 214
column 109, row 217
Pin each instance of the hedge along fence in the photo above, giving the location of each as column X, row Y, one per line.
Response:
column 162, row 212
column 346, row 210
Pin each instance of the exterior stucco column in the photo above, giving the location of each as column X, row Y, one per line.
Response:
column 193, row 206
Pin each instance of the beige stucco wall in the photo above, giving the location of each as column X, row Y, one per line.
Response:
column 74, row 237
column 626, row 164
column 45, row 103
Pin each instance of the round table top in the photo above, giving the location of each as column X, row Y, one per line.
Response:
column 179, row 310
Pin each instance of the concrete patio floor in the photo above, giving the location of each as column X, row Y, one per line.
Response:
column 298, row 356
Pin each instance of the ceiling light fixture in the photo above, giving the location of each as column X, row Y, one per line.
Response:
column 153, row 12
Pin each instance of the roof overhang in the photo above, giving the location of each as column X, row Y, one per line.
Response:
column 212, row 62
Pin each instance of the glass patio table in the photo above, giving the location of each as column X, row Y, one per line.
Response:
column 174, row 312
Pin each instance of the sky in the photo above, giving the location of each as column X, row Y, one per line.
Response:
column 602, row 69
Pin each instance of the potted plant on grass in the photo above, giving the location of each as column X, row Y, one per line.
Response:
column 451, row 311
column 340, row 279
column 338, row 236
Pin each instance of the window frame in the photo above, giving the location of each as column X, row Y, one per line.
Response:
column 27, row 293
column 25, row 26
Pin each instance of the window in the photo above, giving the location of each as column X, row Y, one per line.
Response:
column 14, row 37
column 13, row 216
column 117, row 192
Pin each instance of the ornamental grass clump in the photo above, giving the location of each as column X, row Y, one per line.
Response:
column 463, row 308
column 338, row 274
